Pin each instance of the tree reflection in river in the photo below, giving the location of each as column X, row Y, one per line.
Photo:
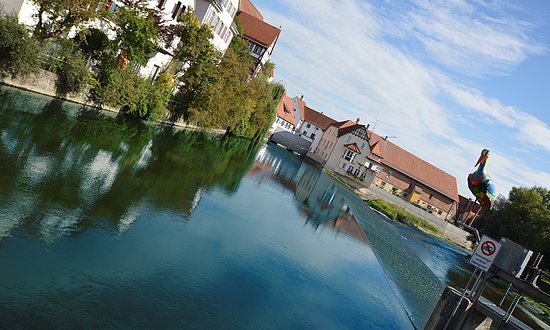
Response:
column 126, row 164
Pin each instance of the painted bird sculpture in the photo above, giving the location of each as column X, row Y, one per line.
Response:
column 480, row 182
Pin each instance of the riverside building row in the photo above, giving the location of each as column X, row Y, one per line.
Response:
column 366, row 160
column 219, row 14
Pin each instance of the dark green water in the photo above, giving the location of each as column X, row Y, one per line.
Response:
column 106, row 222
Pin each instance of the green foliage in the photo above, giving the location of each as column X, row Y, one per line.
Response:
column 136, row 33
column 523, row 217
column 93, row 43
column 56, row 17
column 67, row 61
column 19, row 53
column 133, row 94
column 399, row 214
column 217, row 90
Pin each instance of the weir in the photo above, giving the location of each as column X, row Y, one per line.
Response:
column 469, row 309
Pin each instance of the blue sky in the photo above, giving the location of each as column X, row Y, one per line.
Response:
column 447, row 78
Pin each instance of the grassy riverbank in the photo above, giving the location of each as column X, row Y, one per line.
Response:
column 399, row 214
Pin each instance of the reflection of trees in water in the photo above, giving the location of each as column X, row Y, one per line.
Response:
column 74, row 167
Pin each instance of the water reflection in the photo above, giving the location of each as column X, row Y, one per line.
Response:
column 62, row 165
column 319, row 199
column 211, row 231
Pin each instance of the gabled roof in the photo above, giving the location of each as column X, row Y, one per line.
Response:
column 345, row 127
column 375, row 149
column 316, row 118
column 414, row 167
column 353, row 147
column 250, row 9
column 258, row 31
column 286, row 104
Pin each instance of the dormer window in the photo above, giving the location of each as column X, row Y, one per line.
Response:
column 349, row 155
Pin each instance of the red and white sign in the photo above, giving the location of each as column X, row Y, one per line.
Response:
column 485, row 253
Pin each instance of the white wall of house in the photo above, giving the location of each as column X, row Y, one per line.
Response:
column 282, row 125
column 354, row 165
column 297, row 115
column 219, row 14
column 311, row 133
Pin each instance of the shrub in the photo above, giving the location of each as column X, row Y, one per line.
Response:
column 19, row 52
column 67, row 61
column 134, row 95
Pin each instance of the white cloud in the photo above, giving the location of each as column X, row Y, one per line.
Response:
column 472, row 41
column 338, row 58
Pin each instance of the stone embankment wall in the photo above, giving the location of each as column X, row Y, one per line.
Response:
column 45, row 82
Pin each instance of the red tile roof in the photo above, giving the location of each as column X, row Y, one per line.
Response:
column 316, row 118
column 250, row 9
column 258, row 31
column 414, row 167
column 375, row 149
column 286, row 104
column 353, row 147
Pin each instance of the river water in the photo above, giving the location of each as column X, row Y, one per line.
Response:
column 107, row 222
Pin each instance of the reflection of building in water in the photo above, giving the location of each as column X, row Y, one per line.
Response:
column 324, row 204
column 280, row 165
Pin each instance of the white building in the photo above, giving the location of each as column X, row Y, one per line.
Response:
column 312, row 126
column 285, row 116
column 26, row 11
column 344, row 149
column 219, row 14
column 261, row 36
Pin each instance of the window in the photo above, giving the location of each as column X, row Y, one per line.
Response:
column 439, row 212
column 233, row 11
column 363, row 175
column 161, row 3
column 349, row 155
column 219, row 27
column 431, row 195
column 177, row 10
column 362, row 146
column 349, row 138
column 350, row 169
column 382, row 184
column 344, row 165
column 389, row 174
column 356, row 172
column 228, row 36
column 313, row 135
column 222, row 35
column 224, row 3
column 308, row 125
column 211, row 17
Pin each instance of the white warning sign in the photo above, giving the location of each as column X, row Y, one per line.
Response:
column 485, row 253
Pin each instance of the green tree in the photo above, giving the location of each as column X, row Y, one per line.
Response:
column 19, row 53
column 56, row 17
column 137, row 35
column 523, row 217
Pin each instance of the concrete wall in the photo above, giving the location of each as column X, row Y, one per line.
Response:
column 11, row 6
column 43, row 82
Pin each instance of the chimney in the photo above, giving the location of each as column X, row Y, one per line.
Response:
column 302, row 97
column 357, row 121
column 368, row 125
